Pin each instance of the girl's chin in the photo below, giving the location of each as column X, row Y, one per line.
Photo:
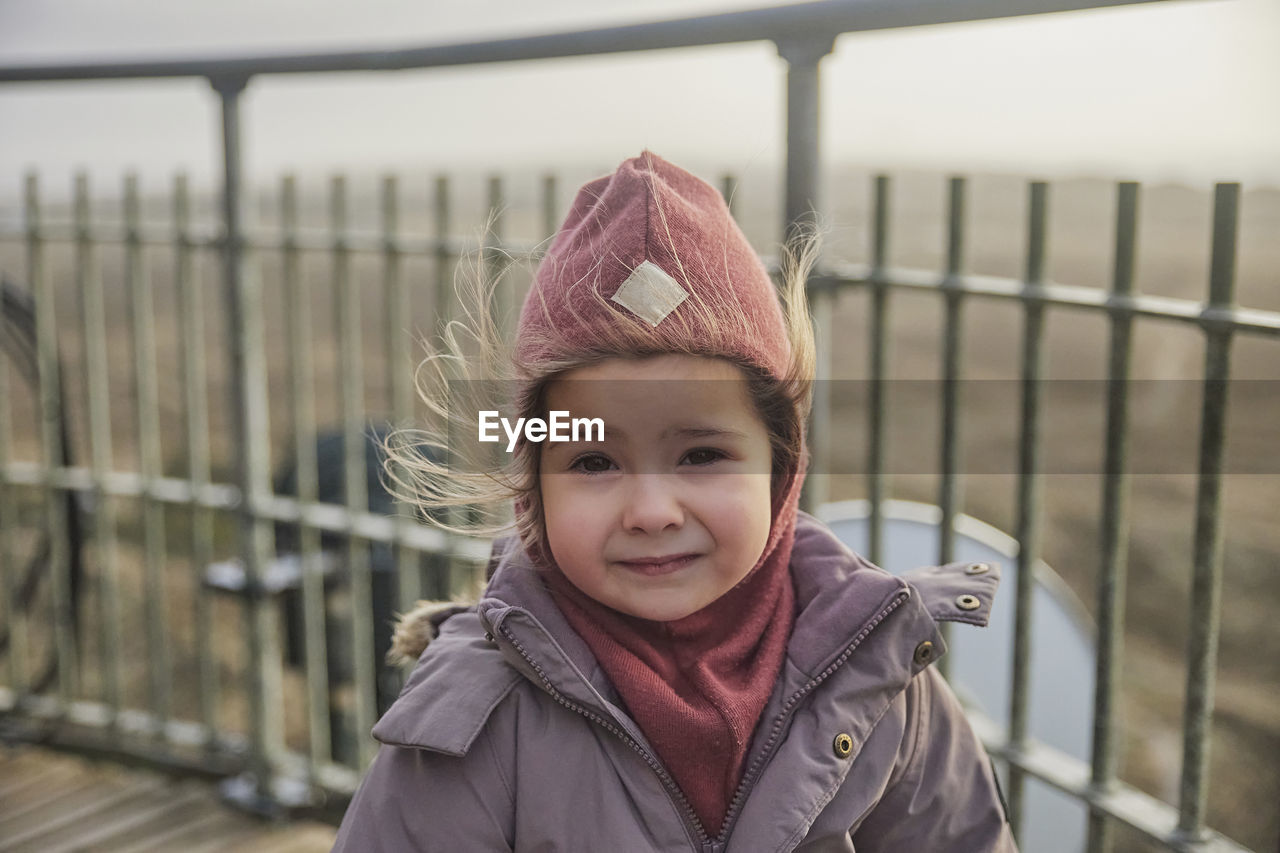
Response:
column 658, row 610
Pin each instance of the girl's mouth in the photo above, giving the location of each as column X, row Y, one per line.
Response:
column 654, row 566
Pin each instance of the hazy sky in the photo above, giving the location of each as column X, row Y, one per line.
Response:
column 1183, row 90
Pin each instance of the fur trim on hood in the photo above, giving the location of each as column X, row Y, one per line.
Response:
column 416, row 629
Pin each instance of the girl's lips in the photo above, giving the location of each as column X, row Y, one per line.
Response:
column 653, row 566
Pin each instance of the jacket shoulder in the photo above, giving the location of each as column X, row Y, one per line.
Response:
column 957, row 592
column 455, row 687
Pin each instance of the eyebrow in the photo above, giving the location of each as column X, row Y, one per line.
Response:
column 702, row 432
column 670, row 432
column 685, row 431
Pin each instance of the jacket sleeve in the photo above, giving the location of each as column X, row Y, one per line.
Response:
column 945, row 798
column 417, row 800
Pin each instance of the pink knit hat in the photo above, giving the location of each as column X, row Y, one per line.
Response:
column 658, row 246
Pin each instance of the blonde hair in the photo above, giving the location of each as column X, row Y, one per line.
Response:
column 475, row 368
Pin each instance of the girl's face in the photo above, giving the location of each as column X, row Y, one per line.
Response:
column 673, row 508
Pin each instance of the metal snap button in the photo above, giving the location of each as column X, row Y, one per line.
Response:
column 842, row 746
column 924, row 652
column 968, row 602
column 977, row 569
column 488, row 637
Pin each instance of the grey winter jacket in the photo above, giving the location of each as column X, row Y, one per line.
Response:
column 508, row 736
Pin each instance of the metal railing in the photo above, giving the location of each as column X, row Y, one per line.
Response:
column 1220, row 321
column 804, row 34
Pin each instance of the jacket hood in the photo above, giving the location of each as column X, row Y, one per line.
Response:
column 517, row 633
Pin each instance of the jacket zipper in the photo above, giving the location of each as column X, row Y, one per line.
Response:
column 761, row 758
column 706, row 843
column 694, row 822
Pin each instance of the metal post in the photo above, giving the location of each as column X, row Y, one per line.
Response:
column 550, row 209
column 191, row 314
column 89, row 285
column 1206, row 580
column 249, row 403
column 1114, row 520
column 878, row 358
column 729, row 189
column 447, row 309
column 495, row 259
column 348, row 296
column 146, row 413
column 298, row 296
column 950, row 487
column 397, row 316
column 445, row 300
column 1029, row 491
column 803, row 53
column 15, row 617
column 52, row 436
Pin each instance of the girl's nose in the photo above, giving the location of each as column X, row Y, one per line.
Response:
column 652, row 505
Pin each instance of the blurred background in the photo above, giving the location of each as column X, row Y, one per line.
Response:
column 1165, row 92
column 1176, row 95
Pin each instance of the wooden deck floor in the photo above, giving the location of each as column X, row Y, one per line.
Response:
column 52, row 802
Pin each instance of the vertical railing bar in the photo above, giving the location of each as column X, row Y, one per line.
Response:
column 195, row 395
column 350, row 346
column 298, row 320
column 495, row 264
column 495, row 260
column 550, row 209
column 89, row 284
column 877, row 480
column 446, row 310
column 445, row 301
column 15, row 619
column 1114, row 519
column 1206, row 581
column 146, row 401
column 729, row 189
column 816, row 489
column 1028, row 509
column 248, row 371
column 397, row 334
column 51, row 422
column 949, row 491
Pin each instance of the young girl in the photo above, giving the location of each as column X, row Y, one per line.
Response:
column 669, row 656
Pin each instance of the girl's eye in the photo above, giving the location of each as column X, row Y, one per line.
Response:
column 592, row 463
column 704, row 456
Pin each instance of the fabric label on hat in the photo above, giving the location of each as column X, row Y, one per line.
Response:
column 650, row 293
